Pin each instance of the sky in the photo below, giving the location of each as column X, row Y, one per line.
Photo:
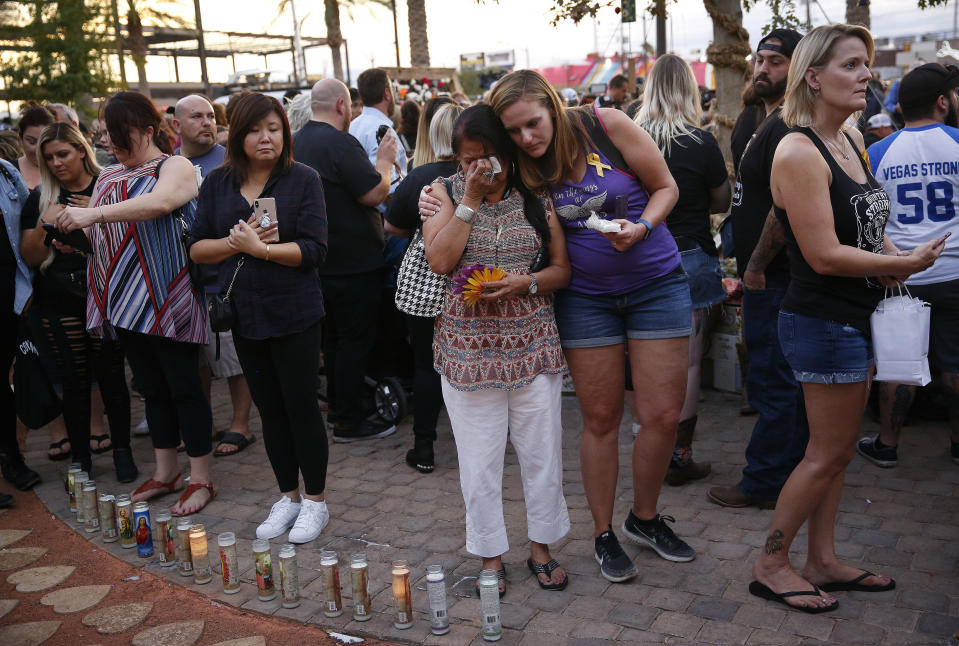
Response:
column 463, row 26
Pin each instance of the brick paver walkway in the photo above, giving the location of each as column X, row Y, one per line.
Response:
column 903, row 522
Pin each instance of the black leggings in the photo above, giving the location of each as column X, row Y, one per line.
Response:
column 281, row 373
column 8, row 347
column 427, row 392
column 79, row 357
column 168, row 376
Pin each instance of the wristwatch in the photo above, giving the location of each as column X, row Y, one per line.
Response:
column 533, row 286
column 464, row 213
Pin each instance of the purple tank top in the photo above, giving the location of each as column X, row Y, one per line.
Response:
column 597, row 267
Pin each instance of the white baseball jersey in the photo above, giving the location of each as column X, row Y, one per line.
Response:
column 919, row 168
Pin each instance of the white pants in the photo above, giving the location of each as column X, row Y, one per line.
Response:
column 531, row 417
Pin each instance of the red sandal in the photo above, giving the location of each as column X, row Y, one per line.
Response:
column 192, row 489
column 169, row 487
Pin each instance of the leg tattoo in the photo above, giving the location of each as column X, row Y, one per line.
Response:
column 774, row 542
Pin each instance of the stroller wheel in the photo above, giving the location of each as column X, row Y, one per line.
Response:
column 390, row 400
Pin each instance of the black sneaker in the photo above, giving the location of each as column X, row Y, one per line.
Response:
column 6, row 500
column 882, row 456
column 614, row 564
column 658, row 536
column 955, row 452
column 16, row 471
column 125, row 467
column 367, row 430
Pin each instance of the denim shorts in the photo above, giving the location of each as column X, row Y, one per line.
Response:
column 705, row 277
column 660, row 309
column 824, row 352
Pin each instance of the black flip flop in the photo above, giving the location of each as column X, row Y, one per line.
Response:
column 856, row 586
column 764, row 592
column 547, row 569
column 100, row 439
column 501, row 574
column 236, row 439
column 63, row 455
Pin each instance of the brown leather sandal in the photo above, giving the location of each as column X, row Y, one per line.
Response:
column 166, row 487
column 192, row 489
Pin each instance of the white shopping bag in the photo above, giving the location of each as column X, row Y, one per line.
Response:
column 900, row 339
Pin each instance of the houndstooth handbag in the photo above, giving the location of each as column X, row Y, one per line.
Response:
column 419, row 292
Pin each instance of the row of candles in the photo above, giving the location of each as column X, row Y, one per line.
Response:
column 186, row 545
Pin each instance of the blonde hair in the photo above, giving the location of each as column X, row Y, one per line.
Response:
column 441, row 132
column 50, row 186
column 815, row 51
column 568, row 134
column 671, row 105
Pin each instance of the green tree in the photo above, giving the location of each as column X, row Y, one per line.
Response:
column 66, row 57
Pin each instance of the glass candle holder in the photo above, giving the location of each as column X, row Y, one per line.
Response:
column 228, row 562
column 202, row 572
column 402, row 599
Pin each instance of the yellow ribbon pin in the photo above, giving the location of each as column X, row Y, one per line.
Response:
column 593, row 160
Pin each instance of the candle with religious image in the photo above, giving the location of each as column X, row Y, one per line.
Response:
column 289, row 577
column 143, row 534
column 74, row 469
column 78, row 480
column 330, row 575
column 125, row 521
column 228, row 562
column 163, row 538
column 263, row 565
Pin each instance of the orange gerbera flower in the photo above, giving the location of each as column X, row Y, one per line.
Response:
column 471, row 281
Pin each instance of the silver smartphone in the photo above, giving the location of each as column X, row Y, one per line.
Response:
column 263, row 208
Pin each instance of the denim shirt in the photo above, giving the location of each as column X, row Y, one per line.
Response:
column 271, row 300
column 12, row 197
column 364, row 128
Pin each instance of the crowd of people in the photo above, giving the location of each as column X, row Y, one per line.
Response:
column 264, row 261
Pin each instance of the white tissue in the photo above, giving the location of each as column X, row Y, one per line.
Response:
column 603, row 226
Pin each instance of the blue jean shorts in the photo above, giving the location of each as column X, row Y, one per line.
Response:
column 660, row 309
column 824, row 352
column 705, row 277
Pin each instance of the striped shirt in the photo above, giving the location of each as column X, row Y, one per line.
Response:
column 138, row 275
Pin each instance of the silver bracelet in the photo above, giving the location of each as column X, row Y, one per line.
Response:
column 464, row 213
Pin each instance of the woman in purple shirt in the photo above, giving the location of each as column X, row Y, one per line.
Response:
column 628, row 291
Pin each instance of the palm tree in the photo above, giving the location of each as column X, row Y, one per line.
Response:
column 419, row 43
column 136, row 11
column 857, row 13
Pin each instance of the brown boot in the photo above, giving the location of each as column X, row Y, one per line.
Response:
column 681, row 472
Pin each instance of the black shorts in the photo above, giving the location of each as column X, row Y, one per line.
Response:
column 944, row 328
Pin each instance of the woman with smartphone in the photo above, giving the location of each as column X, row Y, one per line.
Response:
column 833, row 213
column 270, row 259
column 68, row 172
column 140, row 288
column 498, row 353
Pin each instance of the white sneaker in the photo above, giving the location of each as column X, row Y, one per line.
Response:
column 283, row 514
column 312, row 519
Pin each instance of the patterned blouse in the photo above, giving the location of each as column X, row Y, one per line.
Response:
column 497, row 345
column 137, row 273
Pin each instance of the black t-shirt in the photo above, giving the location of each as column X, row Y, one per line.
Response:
column 50, row 294
column 748, row 122
column 355, row 231
column 859, row 212
column 752, row 199
column 697, row 167
column 403, row 212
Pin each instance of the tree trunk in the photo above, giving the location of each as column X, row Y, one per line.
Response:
column 856, row 14
column 334, row 37
column 419, row 43
column 138, row 48
column 727, row 54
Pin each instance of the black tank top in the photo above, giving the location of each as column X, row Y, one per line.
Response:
column 859, row 212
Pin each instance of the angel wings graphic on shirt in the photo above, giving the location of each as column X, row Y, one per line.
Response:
column 570, row 212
